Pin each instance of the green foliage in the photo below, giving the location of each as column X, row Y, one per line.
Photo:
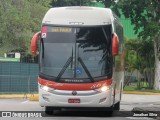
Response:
column 134, row 88
column 141, row 51
column 144, row 14
column 130, row 88
column 140, row 56
column 19, row 20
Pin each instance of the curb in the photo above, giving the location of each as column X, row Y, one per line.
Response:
column 13, row 96
column 32, row 97
column 140, row 93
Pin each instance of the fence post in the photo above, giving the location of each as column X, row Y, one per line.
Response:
column 29, row 84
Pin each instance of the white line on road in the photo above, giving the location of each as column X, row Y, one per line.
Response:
column 25, row 101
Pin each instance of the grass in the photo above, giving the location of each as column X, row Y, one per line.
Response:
column 129, row 88
column 134, row 88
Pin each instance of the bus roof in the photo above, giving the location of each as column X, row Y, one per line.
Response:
column 78, row 15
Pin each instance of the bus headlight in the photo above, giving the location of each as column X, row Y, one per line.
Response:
column 46, row 88
column 103, row 89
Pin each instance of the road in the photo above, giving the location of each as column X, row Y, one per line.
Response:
column 127, row 104
column 129, row 101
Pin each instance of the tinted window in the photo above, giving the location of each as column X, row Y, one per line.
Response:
column 90, row 44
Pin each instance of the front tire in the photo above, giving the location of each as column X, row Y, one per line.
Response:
column 49, row 110
column 117, row 106
column 109, row 112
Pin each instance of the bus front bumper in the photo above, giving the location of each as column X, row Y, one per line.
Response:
column 64, row 98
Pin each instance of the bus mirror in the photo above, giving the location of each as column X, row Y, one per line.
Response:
column 115, row 42
column 34, row 43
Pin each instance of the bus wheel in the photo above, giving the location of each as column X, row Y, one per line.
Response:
column 49, row 110
column 117, row 106
column 109, row 113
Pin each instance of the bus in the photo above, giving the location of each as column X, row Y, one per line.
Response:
column 81, row 59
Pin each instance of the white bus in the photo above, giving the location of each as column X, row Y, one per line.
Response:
column 81, row 59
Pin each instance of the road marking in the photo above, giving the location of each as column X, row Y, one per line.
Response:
column 25, row 101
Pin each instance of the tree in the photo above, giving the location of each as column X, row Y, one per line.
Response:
column 19, row 20
column 140, row 56
column 145, row 16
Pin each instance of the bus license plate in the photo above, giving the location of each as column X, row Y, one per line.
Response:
column 74, row 101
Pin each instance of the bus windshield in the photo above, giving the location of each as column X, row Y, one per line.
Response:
column 79, row 53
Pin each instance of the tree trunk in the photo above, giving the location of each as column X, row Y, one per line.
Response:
column 157, row 62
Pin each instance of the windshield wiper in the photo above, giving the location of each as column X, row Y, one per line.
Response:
column 72, row 59
column 64, row 68
column 42, row 42
column 85, row 68
column 68, row 63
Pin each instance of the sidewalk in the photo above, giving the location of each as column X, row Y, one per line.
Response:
column 153, row 112
column 140, row 93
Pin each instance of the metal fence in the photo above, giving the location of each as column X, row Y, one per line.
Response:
column 17, row 77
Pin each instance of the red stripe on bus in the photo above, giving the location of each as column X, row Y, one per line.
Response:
column 75, row 86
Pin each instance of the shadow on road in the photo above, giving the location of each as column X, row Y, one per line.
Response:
column 71, row 113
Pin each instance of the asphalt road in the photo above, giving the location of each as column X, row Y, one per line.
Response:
column 127, row 104
column 25, row 105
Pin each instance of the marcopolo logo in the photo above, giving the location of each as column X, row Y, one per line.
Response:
column 74, row 93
